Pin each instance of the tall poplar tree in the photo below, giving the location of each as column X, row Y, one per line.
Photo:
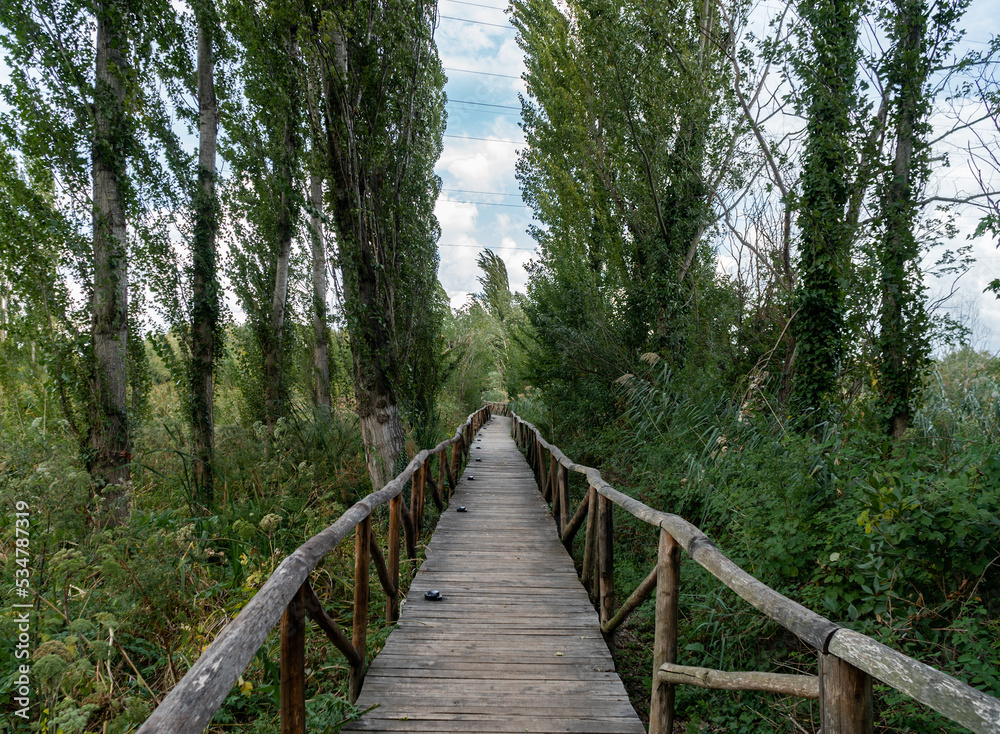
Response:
column 828, row 67
column 108, row 437
column 921, row 37
column 264, row 144
column 317, row 240
column 626, row 121
column 384, row 115
column 78, row 111
column 205, row 301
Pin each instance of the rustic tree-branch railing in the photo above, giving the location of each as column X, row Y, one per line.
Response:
column 287, row 597
column 847, row 660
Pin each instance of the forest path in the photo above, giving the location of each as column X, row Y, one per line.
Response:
column 514, row 645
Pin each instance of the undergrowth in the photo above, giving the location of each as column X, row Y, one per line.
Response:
column 120, row 614
column 899, row 541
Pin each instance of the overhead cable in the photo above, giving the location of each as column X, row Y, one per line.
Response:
column 483, row 203
column 483, row 73
column 488, row 140
column 470, row 191
column 487, row 247
column 505, row 26
column 486, row 104
column 478, row 5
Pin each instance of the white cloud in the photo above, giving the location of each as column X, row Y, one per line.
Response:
column 455, row 217
column 478, row 165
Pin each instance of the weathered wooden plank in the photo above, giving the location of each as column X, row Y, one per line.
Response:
column 958, row 701
column 668, row 588
column 515, row 638
column 495, row 725
column 293, row 666
column 362, row 560
column 803, row 686
column 192, row 703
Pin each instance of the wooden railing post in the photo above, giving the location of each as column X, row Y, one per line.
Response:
column 562, row 486
column 449, row 473
column 413, row 501
column 668, row 584
column 443, row 492
column 362, row 562
column 422, row 492
column 605, row 557
column 456, row 460
column 392, row 561
column 845, row 697
column 587, row 574
column 293, row 665
column 543, row 474
column 558, row 509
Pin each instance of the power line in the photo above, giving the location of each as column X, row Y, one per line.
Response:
column 484, row 73
column 477, row 5
column 505, row 26
column 488, row 140
column 487, row 247
column 484, row 203
column 486, row 104
column 494, row 113
column 488, row 193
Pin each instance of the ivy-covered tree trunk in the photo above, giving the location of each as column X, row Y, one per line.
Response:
column 108, row 441
column 205, row 284
column 903, row 320
column 321, row 334
column 275, row 387
column 829, row 69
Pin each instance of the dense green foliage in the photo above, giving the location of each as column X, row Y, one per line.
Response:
column 789, row 408
column 635, row 347
column 898, row 542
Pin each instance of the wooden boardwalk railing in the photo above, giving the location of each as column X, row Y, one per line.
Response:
column 847, row 660
column 287, row 596
column 510, row 642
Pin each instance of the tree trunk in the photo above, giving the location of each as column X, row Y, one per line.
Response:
column 903, row 320
column 384, row 234
column 5, row 289
column 830, row 72
column 205, row 286
column 321, row 349
column 321, row 345
column 381, row 431
column 274, row 368
column 109, row 443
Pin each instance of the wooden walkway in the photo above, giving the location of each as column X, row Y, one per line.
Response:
column 514, row 645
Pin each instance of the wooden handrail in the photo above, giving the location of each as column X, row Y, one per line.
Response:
column 192, row 703
column 847, row 660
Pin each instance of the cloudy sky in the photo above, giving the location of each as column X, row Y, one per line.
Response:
column 480, row 206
